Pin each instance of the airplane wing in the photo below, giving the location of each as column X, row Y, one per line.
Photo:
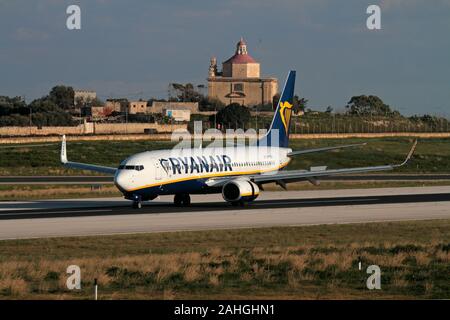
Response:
column 82, row 166
column 296, row 153
column 288, row 176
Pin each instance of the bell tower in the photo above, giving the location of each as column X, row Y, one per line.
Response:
column 241, row 47
column 212, row 67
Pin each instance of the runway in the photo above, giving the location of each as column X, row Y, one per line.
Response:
column 17, row 180
column 55, row 218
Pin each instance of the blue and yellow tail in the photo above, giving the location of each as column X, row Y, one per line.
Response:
column 278, row 134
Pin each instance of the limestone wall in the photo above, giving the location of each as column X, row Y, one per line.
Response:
column 168, row 136
column 89, row 128
column 123, row 128
column 44, row 131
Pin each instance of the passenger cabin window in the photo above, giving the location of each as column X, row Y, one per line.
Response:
column 128, row 167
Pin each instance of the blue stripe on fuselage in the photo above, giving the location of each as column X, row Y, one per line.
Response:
column 189, row 186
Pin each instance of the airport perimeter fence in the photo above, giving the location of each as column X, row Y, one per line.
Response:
column 348, row 126
column 344, row 124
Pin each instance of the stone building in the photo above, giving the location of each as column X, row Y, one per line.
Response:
column 137, row 107
column 115, row 105
column 240, row 80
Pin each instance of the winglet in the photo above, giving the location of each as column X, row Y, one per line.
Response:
column 409, row 156
column 63, row 150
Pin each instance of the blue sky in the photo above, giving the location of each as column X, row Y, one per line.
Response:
column 135, row 48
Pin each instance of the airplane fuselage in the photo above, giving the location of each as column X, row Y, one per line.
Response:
column 149, row 174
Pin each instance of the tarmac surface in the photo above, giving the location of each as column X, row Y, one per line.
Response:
column 102, row 216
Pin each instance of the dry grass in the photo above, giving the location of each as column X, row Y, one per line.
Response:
column 192, row 273
column 21, row 192
column 314, row 268
column 161, row 271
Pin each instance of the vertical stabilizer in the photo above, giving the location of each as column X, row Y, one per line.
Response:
column 278, row 134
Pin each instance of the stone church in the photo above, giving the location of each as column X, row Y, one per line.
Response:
column 240, row 80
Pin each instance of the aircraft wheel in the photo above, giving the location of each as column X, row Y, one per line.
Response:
column 239, row 203
column 178, row 200
column 137, row 204
column 186, row 199
column 182, row 199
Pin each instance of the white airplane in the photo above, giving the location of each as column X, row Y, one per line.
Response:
column 238, row 172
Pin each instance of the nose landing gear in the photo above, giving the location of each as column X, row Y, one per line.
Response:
column 182, row 199
column 137, row 202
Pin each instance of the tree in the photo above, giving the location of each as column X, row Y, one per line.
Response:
column 13, row 105
column 211, row 104
column 233, row 116
column 62, row 96
column 368, row 105
column 187, row 92
column 299, row 104
column 52, row 118
column 14, row 120
column 275, row 100
column 44, row 104
column 44, row 112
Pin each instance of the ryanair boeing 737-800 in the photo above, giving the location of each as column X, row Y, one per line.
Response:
column 238, row 172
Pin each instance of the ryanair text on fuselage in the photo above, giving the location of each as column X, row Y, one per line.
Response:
column 198, row 164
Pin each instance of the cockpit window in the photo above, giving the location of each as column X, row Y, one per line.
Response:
column 128, row 167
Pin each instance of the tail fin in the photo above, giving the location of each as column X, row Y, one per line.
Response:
column 278, row 134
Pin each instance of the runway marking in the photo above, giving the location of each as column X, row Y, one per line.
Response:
column 52, row 212
column 319, row 201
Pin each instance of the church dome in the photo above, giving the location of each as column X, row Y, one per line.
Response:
column 241, row 55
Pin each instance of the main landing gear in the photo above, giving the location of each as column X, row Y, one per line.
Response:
column 238, row 203
column 182, row 199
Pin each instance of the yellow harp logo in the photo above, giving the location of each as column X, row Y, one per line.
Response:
column 285, row 113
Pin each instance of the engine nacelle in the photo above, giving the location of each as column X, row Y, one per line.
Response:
column 240, row 190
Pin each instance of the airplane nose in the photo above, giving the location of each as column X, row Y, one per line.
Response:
column 120, row 180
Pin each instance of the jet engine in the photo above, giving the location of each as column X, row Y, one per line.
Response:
column 240, row 191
